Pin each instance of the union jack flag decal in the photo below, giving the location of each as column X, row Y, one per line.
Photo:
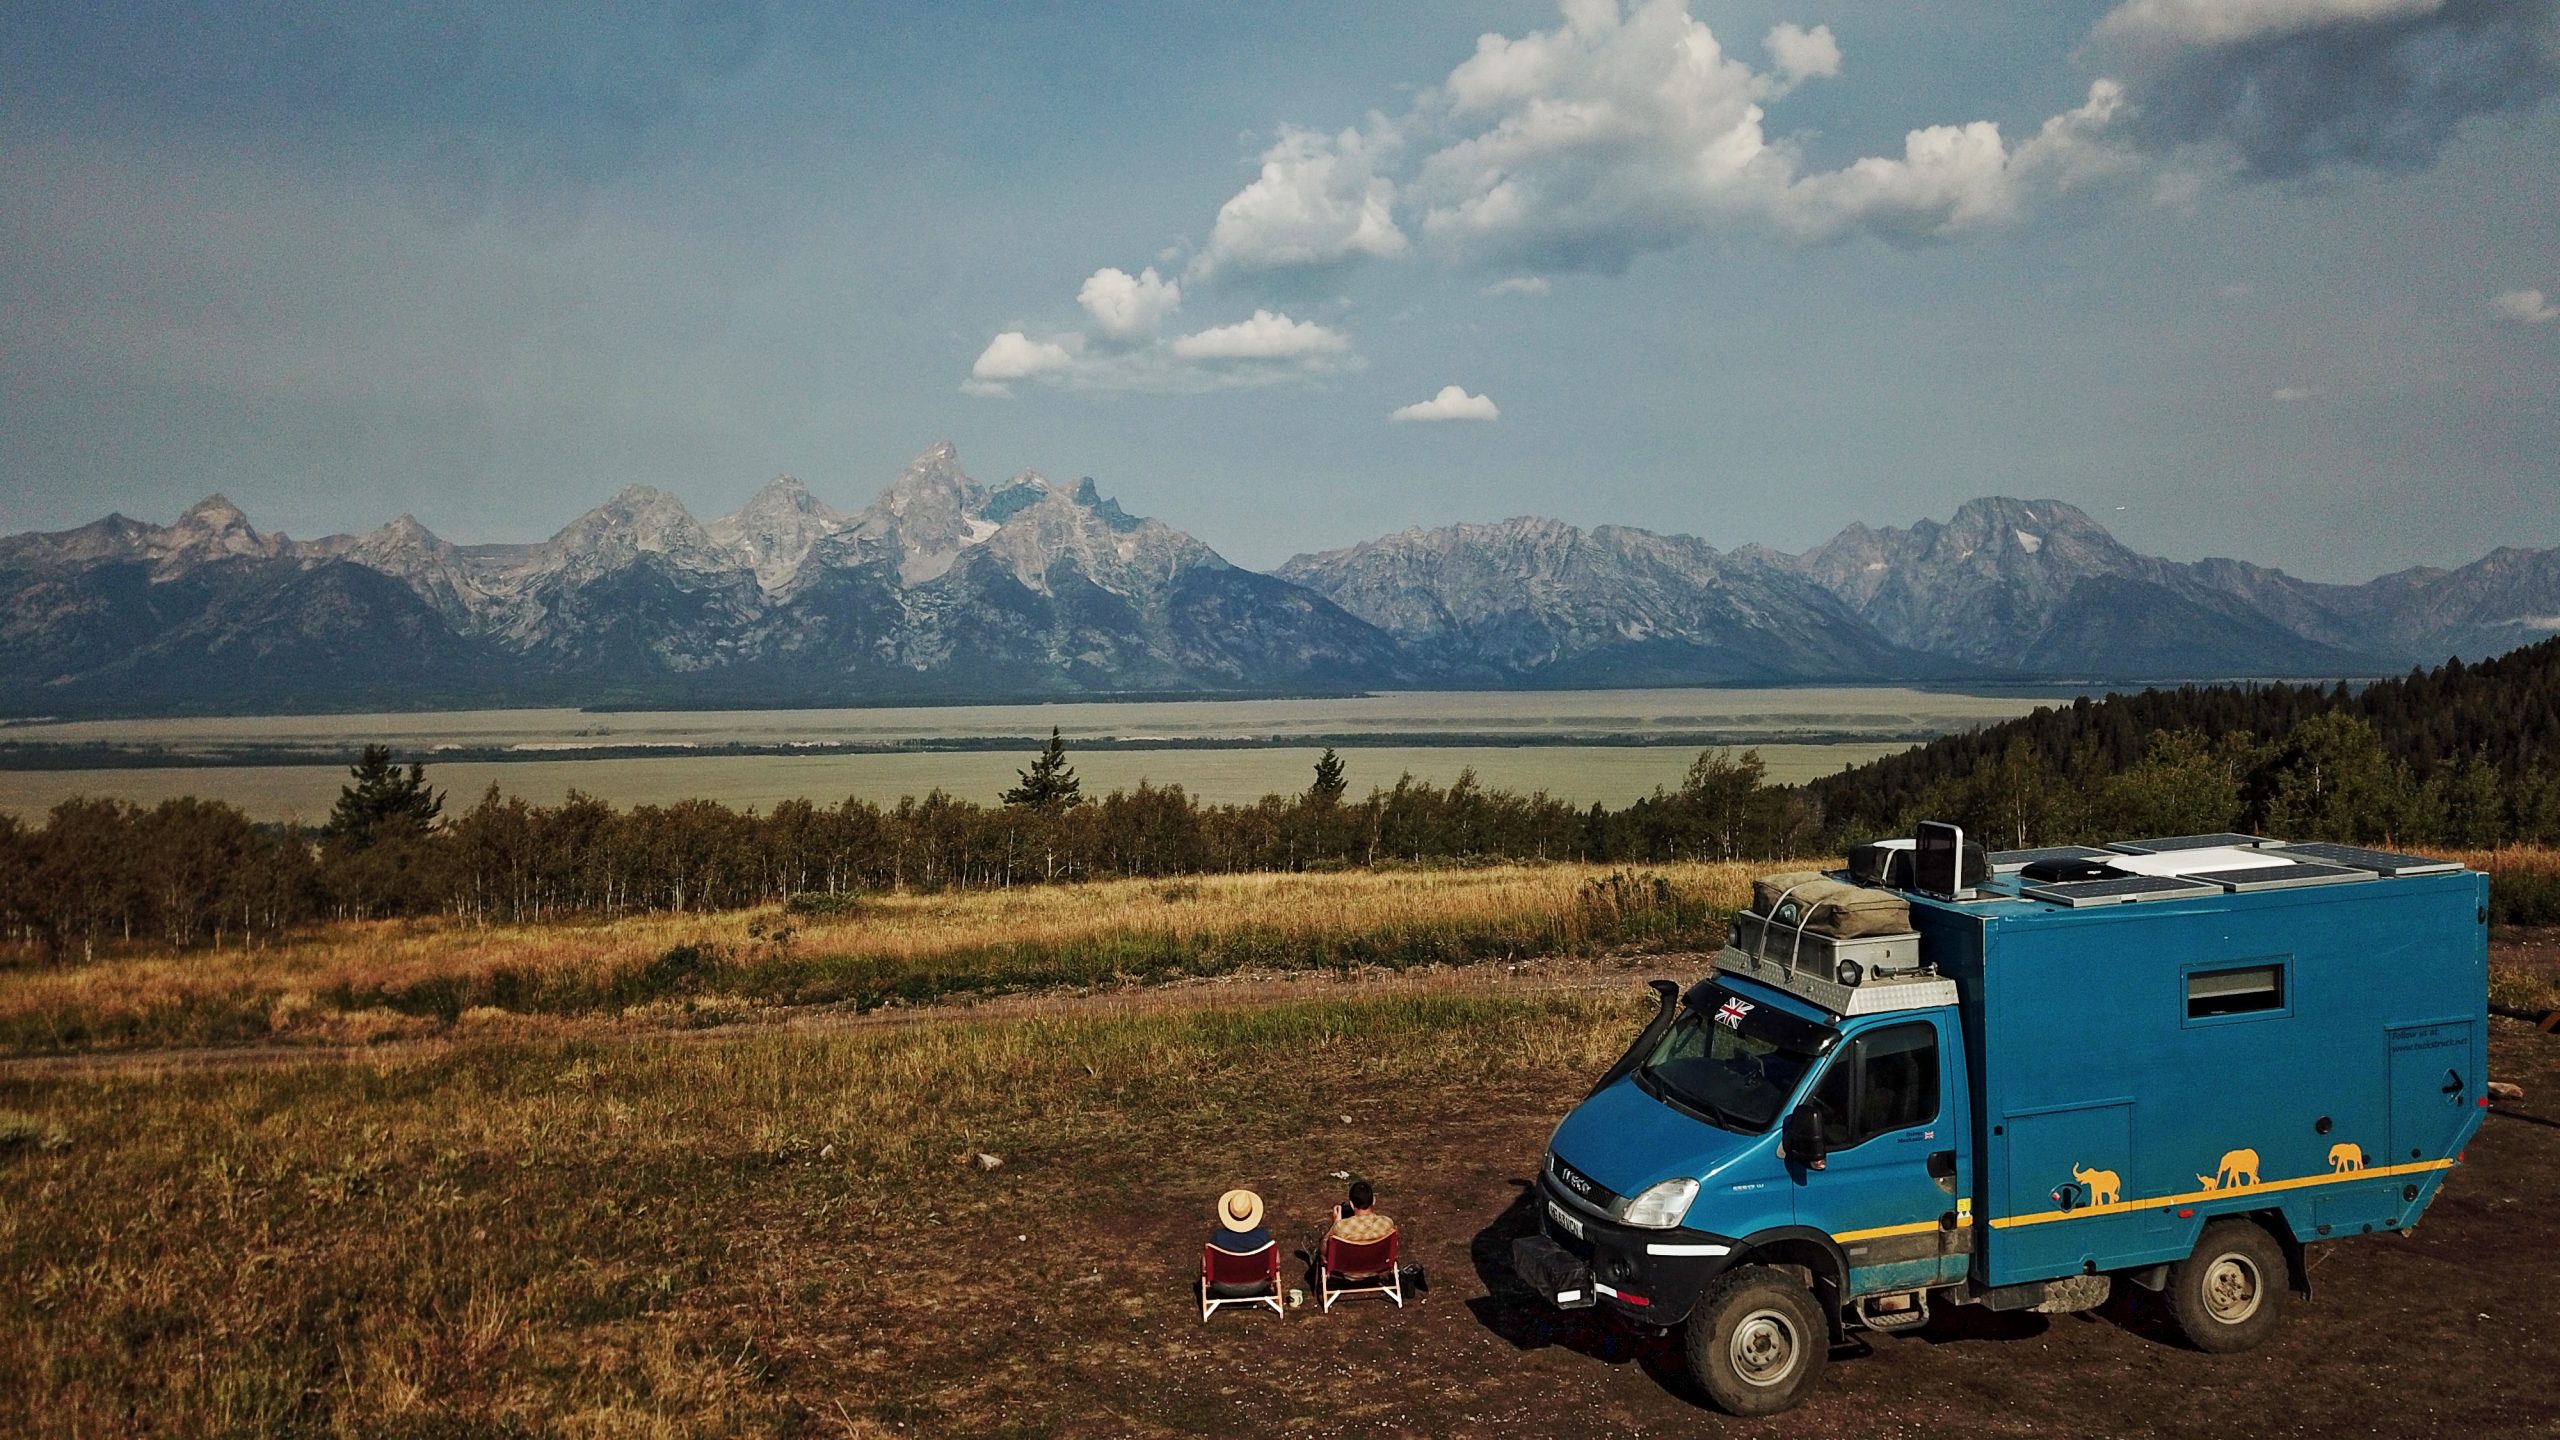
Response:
column 1731, row 1012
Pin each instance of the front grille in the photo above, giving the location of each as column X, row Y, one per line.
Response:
column 1591, row 1193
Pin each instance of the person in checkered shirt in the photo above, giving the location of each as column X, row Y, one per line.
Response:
column 1359, row 1221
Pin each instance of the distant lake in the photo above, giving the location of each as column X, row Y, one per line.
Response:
column 1582, row 746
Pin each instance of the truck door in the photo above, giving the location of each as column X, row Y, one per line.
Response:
column 1891, row 1192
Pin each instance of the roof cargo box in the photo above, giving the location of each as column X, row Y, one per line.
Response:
column 1814, row 902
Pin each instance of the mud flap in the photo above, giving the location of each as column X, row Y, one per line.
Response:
column 1560, row 1277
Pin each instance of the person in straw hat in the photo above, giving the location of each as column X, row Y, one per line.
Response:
column 1239, row 1230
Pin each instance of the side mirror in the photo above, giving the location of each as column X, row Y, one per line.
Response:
column 1805, row 1143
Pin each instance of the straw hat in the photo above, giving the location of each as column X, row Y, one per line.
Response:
column 1240, row 1210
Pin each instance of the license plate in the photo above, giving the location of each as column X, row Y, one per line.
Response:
column 1564, row 1220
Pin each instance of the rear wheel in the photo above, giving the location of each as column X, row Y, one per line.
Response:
column 1756, row 1341
column 2229, row 1294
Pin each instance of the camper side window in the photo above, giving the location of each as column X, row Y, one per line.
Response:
column 1887, row 1081
column 2240, row 990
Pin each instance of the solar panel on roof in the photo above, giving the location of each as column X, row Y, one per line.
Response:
column 2167, row 843
column 2003, row 861
column 2380, row 862
column 2280, row 877
column 2116, row 892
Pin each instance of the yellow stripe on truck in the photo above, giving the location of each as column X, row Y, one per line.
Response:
column 2343, row 1177
column 1916, row 1227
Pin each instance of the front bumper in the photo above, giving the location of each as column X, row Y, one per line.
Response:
column 1654, row 1276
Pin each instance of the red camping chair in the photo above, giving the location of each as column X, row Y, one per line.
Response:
column 1368, row 1268
column 1246, row 1279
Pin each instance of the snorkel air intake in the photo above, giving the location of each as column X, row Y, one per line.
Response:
column 1645, row 1042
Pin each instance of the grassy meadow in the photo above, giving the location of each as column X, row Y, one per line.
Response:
column 758, row 1233
column 367, row 982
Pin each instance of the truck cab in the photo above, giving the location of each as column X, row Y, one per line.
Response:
column 2015, row 1100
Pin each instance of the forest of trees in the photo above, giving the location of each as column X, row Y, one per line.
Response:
column 2461, row 756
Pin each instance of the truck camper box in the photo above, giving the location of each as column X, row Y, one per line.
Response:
column 2174, row 1063
column 2316, row 1050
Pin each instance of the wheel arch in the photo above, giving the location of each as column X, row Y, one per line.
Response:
column 1812, row 1256
column 2296, row 1266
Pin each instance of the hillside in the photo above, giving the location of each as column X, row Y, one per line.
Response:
column 2457, row 754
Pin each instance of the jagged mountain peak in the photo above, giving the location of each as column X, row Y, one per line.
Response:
column 406, row 532
column 638, row 520
column 775, row 529
column 211, row 529
column 213, row 512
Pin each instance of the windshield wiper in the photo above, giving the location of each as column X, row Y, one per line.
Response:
column 1679, row 1099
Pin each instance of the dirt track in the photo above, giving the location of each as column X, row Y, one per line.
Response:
column 1243, row 989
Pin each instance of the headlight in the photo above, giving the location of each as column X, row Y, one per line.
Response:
column 1661, row 1206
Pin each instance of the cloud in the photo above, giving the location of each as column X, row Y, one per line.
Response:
column 2225, row 22
column 2294, row 394
column 1529, row 286
column 1129, row 307
column 2527, row 306
column 2287, row 87
column 1615, row 134
column 1320, row 200
column 1269, row 335
column 1452, row 403
column 1015, row 356
column 1800, row 54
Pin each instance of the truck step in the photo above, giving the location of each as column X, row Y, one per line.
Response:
column 1892, row 1321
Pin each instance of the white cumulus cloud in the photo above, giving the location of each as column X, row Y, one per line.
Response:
column 1452, row 403
column 2528, row 306
column 1801, row 54
column 1615, row 134
column 1319, row 200
column 1269, row 335
column 1015, row 356
column 1129, row 307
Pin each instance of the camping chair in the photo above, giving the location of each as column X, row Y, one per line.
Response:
column 1368, row 1267
column 1227, row 1279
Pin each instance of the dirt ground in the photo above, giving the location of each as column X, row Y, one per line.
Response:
column 2445, row 1331
column 1032, row 1310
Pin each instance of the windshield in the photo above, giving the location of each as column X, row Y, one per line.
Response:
column 1732, row 1061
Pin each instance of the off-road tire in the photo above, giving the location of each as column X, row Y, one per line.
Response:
column 2229, row 1295
column 1756, row 1312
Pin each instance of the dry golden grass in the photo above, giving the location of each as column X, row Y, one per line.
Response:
column 362, row 982
column 654, row 1238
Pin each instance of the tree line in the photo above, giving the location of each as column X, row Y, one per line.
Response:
column 2460, row 756
column 189, row 873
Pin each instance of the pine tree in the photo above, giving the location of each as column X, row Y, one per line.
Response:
column 1329, row 784
column 1050, row 783
column 380, row 803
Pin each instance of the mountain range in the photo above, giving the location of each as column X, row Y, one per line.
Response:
column 943, row 588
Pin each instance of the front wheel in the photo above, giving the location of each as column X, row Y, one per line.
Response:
column 2229, row 1294
column 1756, row 1341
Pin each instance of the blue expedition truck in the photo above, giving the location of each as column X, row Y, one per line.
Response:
column 2169, row 1063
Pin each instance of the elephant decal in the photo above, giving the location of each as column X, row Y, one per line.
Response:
column 2105, row 1188
column 2238, row 1168
column 2345, row 1156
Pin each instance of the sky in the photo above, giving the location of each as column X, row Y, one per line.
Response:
column 2277, row 279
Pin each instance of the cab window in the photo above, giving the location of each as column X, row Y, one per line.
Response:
column 1884, row 1081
